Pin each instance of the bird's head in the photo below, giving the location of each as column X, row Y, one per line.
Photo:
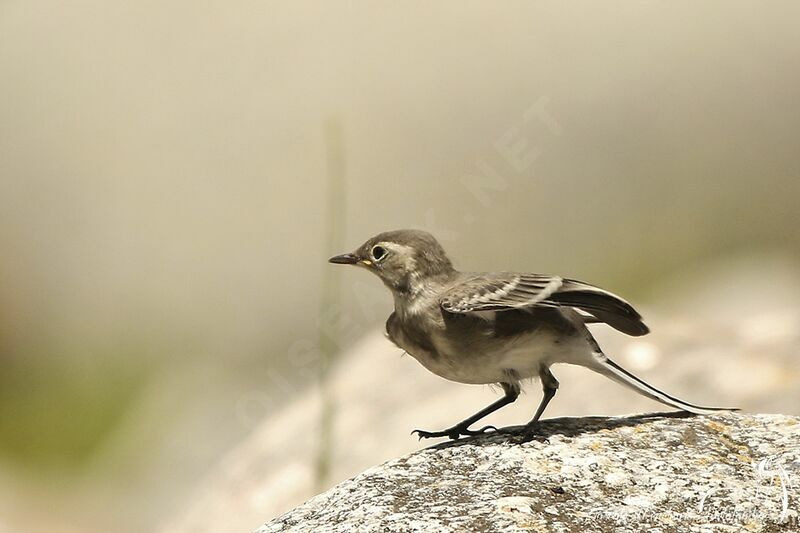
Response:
column 403, row 259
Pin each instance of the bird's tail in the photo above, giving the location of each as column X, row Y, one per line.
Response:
column 605, row 366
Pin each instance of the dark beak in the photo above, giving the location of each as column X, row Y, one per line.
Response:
column 344, row 259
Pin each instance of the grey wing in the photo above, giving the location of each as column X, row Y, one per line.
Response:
column 499, row 292
column 507, row 291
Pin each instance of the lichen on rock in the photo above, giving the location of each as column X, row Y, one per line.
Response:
column 661, row 472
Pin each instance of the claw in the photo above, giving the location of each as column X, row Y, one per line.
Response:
column 452, row 433
column 529, row 433
column 422, row 434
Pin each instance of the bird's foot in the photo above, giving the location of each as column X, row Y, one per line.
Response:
column 452, row 433
column 530, row 431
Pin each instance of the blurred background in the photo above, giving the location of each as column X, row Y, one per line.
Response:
column 173, row 176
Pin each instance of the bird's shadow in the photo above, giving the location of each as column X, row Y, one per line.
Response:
column 566, row 426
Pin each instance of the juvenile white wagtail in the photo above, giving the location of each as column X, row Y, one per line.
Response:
column 495, row 327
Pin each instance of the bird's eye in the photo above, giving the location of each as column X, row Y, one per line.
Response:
column 378, row 252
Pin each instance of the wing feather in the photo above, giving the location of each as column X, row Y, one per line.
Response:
column 495, row 292
column 508, row 290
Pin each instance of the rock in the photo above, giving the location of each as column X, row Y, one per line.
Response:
column 661, row 472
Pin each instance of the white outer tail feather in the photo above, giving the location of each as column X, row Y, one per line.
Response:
column 605, row 366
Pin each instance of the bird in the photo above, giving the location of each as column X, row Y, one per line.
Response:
column 499, row 328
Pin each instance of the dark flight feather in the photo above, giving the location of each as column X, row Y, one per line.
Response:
column 514, row 291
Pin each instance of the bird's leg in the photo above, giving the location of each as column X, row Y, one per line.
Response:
column 462, row 428
column 549, row 388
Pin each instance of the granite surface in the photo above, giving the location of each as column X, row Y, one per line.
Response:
column 662, row 472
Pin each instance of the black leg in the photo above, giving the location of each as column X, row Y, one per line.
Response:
column 462, row 428
column 549, row 388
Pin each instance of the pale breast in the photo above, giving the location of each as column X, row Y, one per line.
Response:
column 478, row 351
